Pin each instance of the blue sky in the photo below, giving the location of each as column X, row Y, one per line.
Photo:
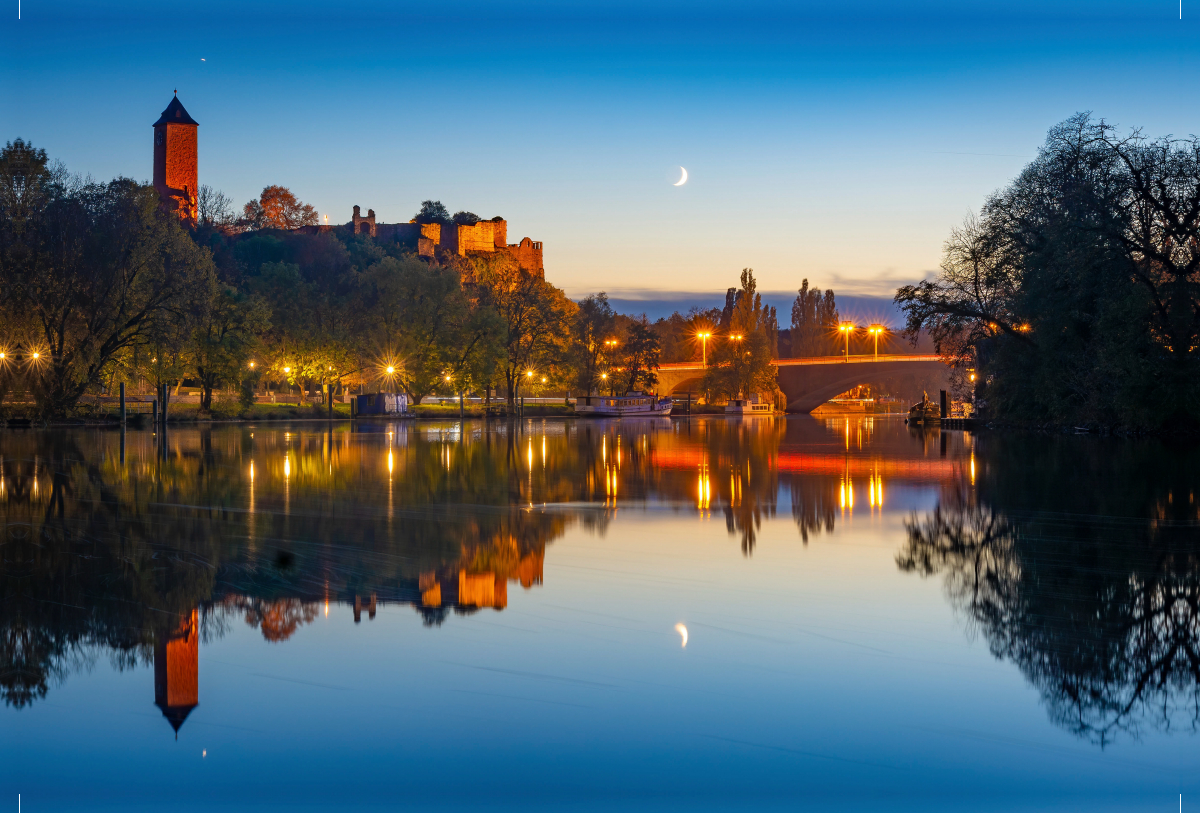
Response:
column 833, row 141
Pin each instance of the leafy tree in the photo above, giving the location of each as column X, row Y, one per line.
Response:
column 1076, row 293
column 466, row 218
column 90, row 269
column 740, row 359
column 224, row 341
column 278, row 208
column 595, row 324
column 309, row 342
column 432, row 211
column 423, row 324
column 814, row 321
column 641, row 355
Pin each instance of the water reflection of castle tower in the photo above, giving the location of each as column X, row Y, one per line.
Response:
column 176, row 671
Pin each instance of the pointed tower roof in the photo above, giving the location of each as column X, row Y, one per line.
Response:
column 175, row 114
column 176, row 715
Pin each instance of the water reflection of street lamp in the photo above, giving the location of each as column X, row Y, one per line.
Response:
column 846, row 329
column 704, row 337
column 876, row 331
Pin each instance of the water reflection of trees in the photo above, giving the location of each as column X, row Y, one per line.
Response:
column 815, row 504
column 110, row 544
column 1080, row 563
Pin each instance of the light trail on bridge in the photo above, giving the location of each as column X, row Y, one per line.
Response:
column 816, row 360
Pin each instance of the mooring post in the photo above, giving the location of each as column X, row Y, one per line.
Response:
column 122, row 420
column 154, row 412
column 945, row 405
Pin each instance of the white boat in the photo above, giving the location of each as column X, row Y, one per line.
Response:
column 637, row 404
column 749, row 406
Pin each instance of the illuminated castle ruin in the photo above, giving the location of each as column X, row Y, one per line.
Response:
column 484, row 236
column 176, row 177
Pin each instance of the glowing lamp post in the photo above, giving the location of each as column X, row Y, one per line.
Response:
column 876, row 331
column 704, row 337
column 846, row 328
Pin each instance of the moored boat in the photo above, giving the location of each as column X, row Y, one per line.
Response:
column 749, row 406
column 636, row 403
column 925, row 412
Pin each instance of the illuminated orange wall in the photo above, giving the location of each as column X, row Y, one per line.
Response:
column 176, row 167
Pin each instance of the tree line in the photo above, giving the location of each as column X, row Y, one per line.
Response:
column 99, row 285
column 1074, row 295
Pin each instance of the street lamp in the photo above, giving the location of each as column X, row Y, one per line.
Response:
column 704, row 337
column 876, row 331
column 846, row 329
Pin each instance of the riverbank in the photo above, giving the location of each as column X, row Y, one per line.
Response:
column 189, row 414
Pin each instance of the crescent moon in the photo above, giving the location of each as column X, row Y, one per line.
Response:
column 680, row 628
column 682, row 181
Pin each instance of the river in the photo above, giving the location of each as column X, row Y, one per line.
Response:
column 660, row 614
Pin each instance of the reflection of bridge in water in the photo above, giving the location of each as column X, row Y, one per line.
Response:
column 810, row 382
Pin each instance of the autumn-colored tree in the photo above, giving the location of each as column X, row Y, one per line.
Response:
column 536, row 316
column 278, row 208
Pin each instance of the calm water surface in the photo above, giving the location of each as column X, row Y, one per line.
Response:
column 657, row 614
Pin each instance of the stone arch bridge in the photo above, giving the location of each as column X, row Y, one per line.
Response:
column 809, row 382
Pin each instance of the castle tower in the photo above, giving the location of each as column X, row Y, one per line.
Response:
column 175, row 161
column 176, row 671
